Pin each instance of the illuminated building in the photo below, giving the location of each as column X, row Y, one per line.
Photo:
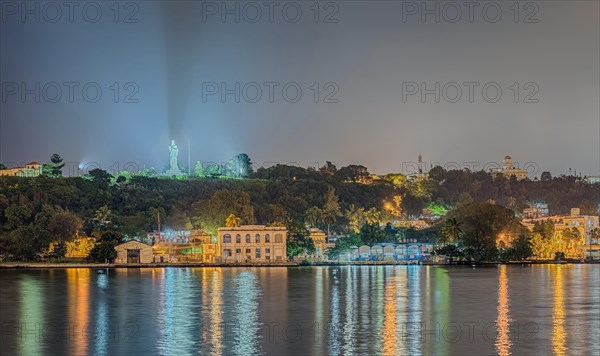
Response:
column 31, row 169
column 134, row 252
column 321, row 245
column 592, row 180
column 537, row 210
column 252, row 243
column 509, row 170
column 184, row 246
column 583, row 223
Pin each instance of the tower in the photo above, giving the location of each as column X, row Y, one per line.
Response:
column 508, row 165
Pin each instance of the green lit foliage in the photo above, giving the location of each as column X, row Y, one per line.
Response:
column 344, row 245
column 298, row 242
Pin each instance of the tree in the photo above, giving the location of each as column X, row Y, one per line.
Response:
column 64, row 225
column 312, row 217
column 103, row 252
column 232, row 221
column 54, row 168
column 298, row 240
column 372, row 233
column 354, row 174
column 331, row 210
column 594, row 236
column 60, row 249
column 329, row 169
column 481, row 224
column 521, row 248
column 28, row 241
column 343, row 245
column 546, row 176
column 199, row 170
column 17, row 215
column 451, row 231
column 243, row 165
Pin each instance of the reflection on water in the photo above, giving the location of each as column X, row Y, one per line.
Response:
column 246, row 314
column 502, row 322
column 342, row 310
column 31, row 315
column 78, row 293
column 558, row 313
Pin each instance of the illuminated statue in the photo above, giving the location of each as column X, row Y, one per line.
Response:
column 173, row 167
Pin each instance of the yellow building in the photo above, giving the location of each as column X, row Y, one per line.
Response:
column 253, row 243
column 184, row 246
column 509, row 170
column 134, row 252
column 583, row 223
column 31, row 169
column 321, row 245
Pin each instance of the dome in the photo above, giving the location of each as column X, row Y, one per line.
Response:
column 508, row 157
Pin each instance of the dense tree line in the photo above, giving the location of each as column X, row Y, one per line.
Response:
column 50, row 208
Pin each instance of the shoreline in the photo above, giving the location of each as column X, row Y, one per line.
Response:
column 32, row 265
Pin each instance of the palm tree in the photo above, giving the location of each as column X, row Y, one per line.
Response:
column 312, row 216
column 451, row 231
column 232, row 221
column 103, row 215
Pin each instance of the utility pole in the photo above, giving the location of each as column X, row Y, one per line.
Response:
column 158, row 223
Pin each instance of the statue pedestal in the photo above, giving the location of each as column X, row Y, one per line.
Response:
column 173, row 172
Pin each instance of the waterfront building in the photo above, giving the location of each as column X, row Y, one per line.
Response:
column 134, row 252
column 583, row 223
column 321, row 245
column 509, row 170
column 184, row 246
column 31, row 169
column 252, row 243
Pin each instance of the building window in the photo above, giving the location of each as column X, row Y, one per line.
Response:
column 258, row 253
column 278, row 238
column 248, row 251
column 267, row 257
column 267, row 250
column 226, row 239
column 248, row 238
column 257, row 238
column 238, row 239
column 238, row 250
column 268, row 238
column 226, row 253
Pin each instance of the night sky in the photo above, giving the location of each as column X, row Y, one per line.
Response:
column 172, row 53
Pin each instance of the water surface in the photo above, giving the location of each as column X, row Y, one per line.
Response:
column 349, row 310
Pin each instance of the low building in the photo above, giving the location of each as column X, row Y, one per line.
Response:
column 184, row 246
column 253, row 243
column 31, row 169
column 321, row 245
column 509, row 170
column 537, row 210
column 592, row 180
column 134, row 252
column 583, row 223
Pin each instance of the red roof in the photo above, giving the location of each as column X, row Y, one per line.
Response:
column 34, row 162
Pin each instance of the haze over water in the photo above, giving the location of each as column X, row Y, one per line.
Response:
column 389, row 310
